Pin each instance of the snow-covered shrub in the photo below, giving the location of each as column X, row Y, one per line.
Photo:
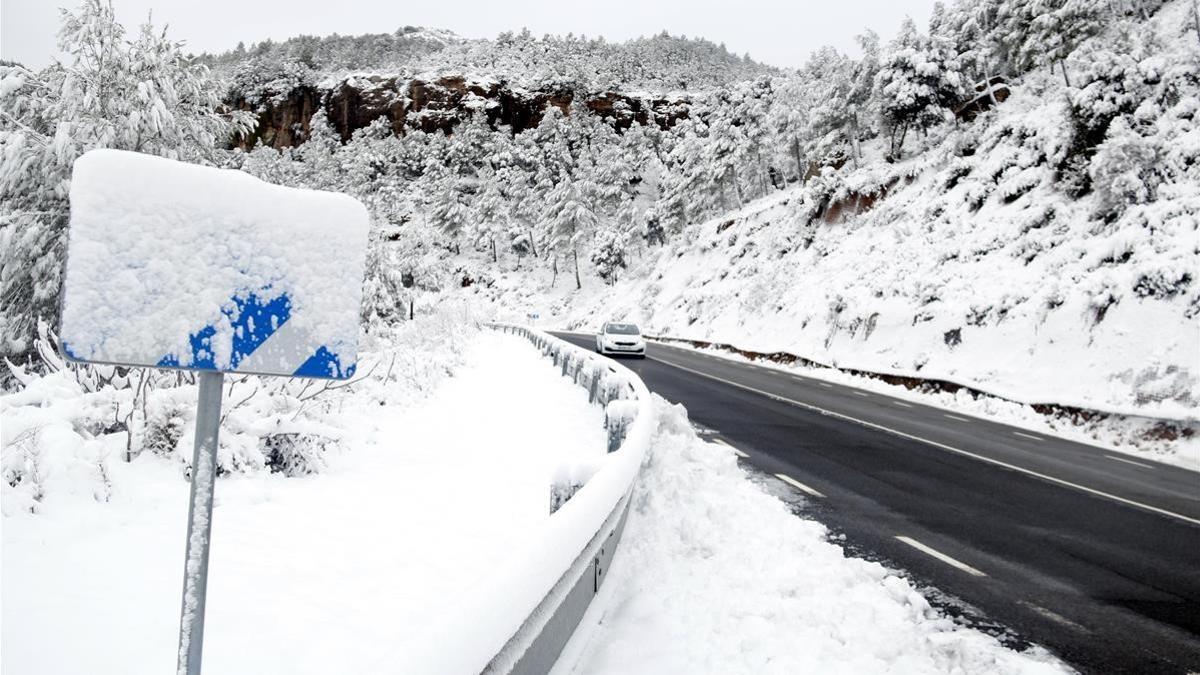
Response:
column 609, row 255
column 294, row 454
column 165, row 428
column 1126, row 169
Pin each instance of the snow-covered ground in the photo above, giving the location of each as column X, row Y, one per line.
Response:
column 715, row 576
column 337, row 571
column 318, row 574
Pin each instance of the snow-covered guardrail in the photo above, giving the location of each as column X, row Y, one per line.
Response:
column 532, row 603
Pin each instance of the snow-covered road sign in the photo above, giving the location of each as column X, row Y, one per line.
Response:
column 175, row 265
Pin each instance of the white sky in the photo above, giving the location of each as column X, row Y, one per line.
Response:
column 773, row 31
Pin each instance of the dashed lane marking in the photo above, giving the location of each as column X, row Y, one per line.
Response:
column 798, row 485
column 1036, row 438
column 955, row 417
column 941, row 556
column 1053, row 616
column 902, row 404
column 1129, row 461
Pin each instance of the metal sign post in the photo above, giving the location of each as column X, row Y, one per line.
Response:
column 199, row 531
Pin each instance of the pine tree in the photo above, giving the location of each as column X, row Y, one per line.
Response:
column 1056, row 28
column 917, row 81
column 447, row 205
column 572, row 217
column 491, row 211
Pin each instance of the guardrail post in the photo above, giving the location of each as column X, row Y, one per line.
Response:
column 616, row 433
column 594, row 384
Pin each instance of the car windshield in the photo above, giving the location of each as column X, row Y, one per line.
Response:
column 621, row 329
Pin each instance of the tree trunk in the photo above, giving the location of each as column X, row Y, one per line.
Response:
column 1063, row 64
column 575, row 253
column 532, row 243
column 554, row 267
column 854, row 150
column 903, row 135
column 800, row 168
column 495, row 258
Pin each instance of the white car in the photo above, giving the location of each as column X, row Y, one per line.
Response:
column 621, row 338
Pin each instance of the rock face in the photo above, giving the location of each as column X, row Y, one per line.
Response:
column 438, row 105
column 283, row 120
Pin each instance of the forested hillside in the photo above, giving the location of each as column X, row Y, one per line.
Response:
column 1007, row 194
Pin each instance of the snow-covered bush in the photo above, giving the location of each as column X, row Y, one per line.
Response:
column 294, row 454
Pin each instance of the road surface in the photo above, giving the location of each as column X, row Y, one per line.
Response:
column 1090, row 553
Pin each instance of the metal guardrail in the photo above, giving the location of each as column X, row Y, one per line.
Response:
column 536, row 644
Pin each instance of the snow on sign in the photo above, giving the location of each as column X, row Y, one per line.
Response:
column 175, row 265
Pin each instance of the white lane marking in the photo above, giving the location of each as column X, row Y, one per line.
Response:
column 940, row 556
column 943, row 446
column 737, row 452
column 798, row 485
column 826, row 385
column 861, row 393
column 1036, row 438
column 1053, row 616
column 902, row 404
column 955, row 417
column 1129, row 461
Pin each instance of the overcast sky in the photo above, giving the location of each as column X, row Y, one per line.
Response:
column 773, row 31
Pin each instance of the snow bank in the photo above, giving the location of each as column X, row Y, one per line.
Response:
column 318, row 574
column 715, row 576
column 496, row 607
column 179, row 265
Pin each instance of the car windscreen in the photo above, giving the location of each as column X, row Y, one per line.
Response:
column 621, row 329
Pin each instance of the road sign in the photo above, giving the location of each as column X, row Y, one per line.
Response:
column 173, row 265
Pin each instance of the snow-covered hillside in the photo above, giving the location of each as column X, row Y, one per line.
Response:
column 975, row 261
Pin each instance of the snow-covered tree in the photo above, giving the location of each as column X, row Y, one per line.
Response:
column 572, row 218
column 1056, row 27
column 917, row 81
column 491, row 211
column 447, row 202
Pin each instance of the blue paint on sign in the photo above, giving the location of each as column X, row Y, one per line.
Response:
column 253, row 321
column 323, row 364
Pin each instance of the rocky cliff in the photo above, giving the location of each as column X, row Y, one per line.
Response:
column 429, row 105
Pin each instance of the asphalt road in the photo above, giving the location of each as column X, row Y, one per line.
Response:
column 1092, row 554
